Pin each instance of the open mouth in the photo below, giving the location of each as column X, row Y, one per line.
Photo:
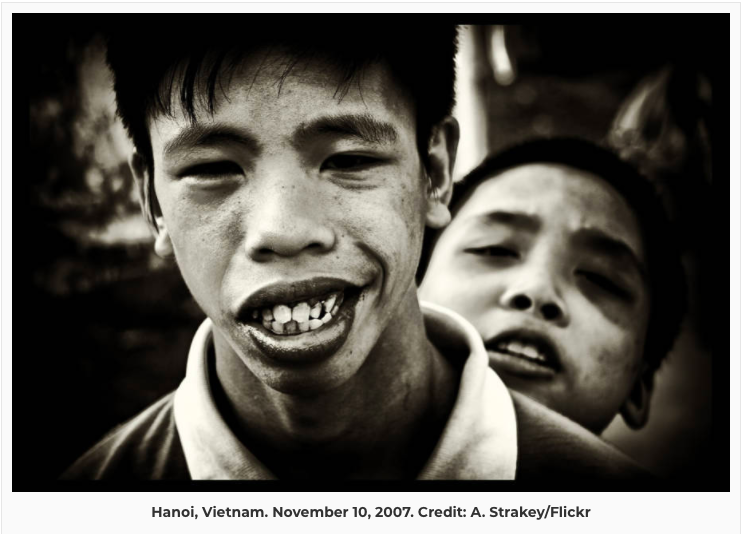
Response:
column 303, row 321
column 524, row 352
column 290, row 309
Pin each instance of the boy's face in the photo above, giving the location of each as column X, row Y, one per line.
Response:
column 295, row 216
column 547, row 262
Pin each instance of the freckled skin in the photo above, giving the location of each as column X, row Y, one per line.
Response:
column 285, row 216
column 601, row 342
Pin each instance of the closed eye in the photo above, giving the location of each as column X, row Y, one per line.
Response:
column 215, row 169
column 495, row 251
column 605, row 284
column 348, row 162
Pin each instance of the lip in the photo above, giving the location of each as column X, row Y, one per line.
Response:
column 520, row 366
column 309, row 347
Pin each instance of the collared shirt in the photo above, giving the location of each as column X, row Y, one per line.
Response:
column 479, row 440
column 183, row 436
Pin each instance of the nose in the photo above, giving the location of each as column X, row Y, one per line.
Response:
column 535, row 291
column 289, row 218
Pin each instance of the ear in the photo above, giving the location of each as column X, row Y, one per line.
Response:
column 635, row 409
column 163, row 244
column 441, row 158
column 150, row 207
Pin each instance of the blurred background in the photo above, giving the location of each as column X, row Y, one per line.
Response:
column 118, row 320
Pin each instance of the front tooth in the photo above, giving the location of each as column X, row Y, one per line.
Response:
column 515, row 346
column 316, row 310
column 530, row 351
column 277, row 327
column 329, row 303
column 282, row 313
column 304, row 327
column 267, row 314
column 300, row 313
column 314, row 324
column 292, row 327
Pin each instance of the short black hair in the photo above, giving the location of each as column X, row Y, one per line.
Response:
column 148, row 64
column 668, row 290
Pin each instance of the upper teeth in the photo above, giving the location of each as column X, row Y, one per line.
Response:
column 300, row 313
column 301, row 316
column 522, row 349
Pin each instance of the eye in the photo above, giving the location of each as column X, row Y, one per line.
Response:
column 605, row 284
column 494, row 251
column 348, row 162
column 212, row 170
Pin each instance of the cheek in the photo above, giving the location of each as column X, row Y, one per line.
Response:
column 610, row 346
column 452, row 282
column 204, row 240
column 604, row 365
column 610, row 358
column 388, row 222
column 471, row 298
column 408, row 203
column 624, row 316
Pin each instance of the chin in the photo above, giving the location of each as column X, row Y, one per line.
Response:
column 306, row 381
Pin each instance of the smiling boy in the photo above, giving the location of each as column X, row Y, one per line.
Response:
column 560, row 255
column 291, row 174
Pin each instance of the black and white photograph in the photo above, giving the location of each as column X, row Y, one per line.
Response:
column 382, row 249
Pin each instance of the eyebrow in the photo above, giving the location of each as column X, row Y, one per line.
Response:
column 362, row 127
column 516, row 219
column 211, row 135
column 614, row 248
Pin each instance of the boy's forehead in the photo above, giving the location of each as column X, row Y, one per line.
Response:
column 269, row 74
column 555, row 194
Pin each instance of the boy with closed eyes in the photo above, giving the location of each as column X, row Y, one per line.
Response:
column 560, row 255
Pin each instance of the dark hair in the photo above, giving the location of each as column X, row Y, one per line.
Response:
column 666, row 276
column 149, row 64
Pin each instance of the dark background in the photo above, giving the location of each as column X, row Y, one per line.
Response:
column 109, row 324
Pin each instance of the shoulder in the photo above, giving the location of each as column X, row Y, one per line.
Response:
column 552, row 447
column 146, row 447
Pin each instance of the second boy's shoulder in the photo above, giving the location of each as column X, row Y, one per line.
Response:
column 555, row 450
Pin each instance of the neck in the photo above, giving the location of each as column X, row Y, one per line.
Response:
column 382, row 423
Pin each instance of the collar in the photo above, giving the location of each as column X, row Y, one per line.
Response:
column 479, row 440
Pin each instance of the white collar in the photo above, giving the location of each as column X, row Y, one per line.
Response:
column 479, row 440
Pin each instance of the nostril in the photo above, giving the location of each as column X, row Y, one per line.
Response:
column 521, row 302
column 551, row 312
